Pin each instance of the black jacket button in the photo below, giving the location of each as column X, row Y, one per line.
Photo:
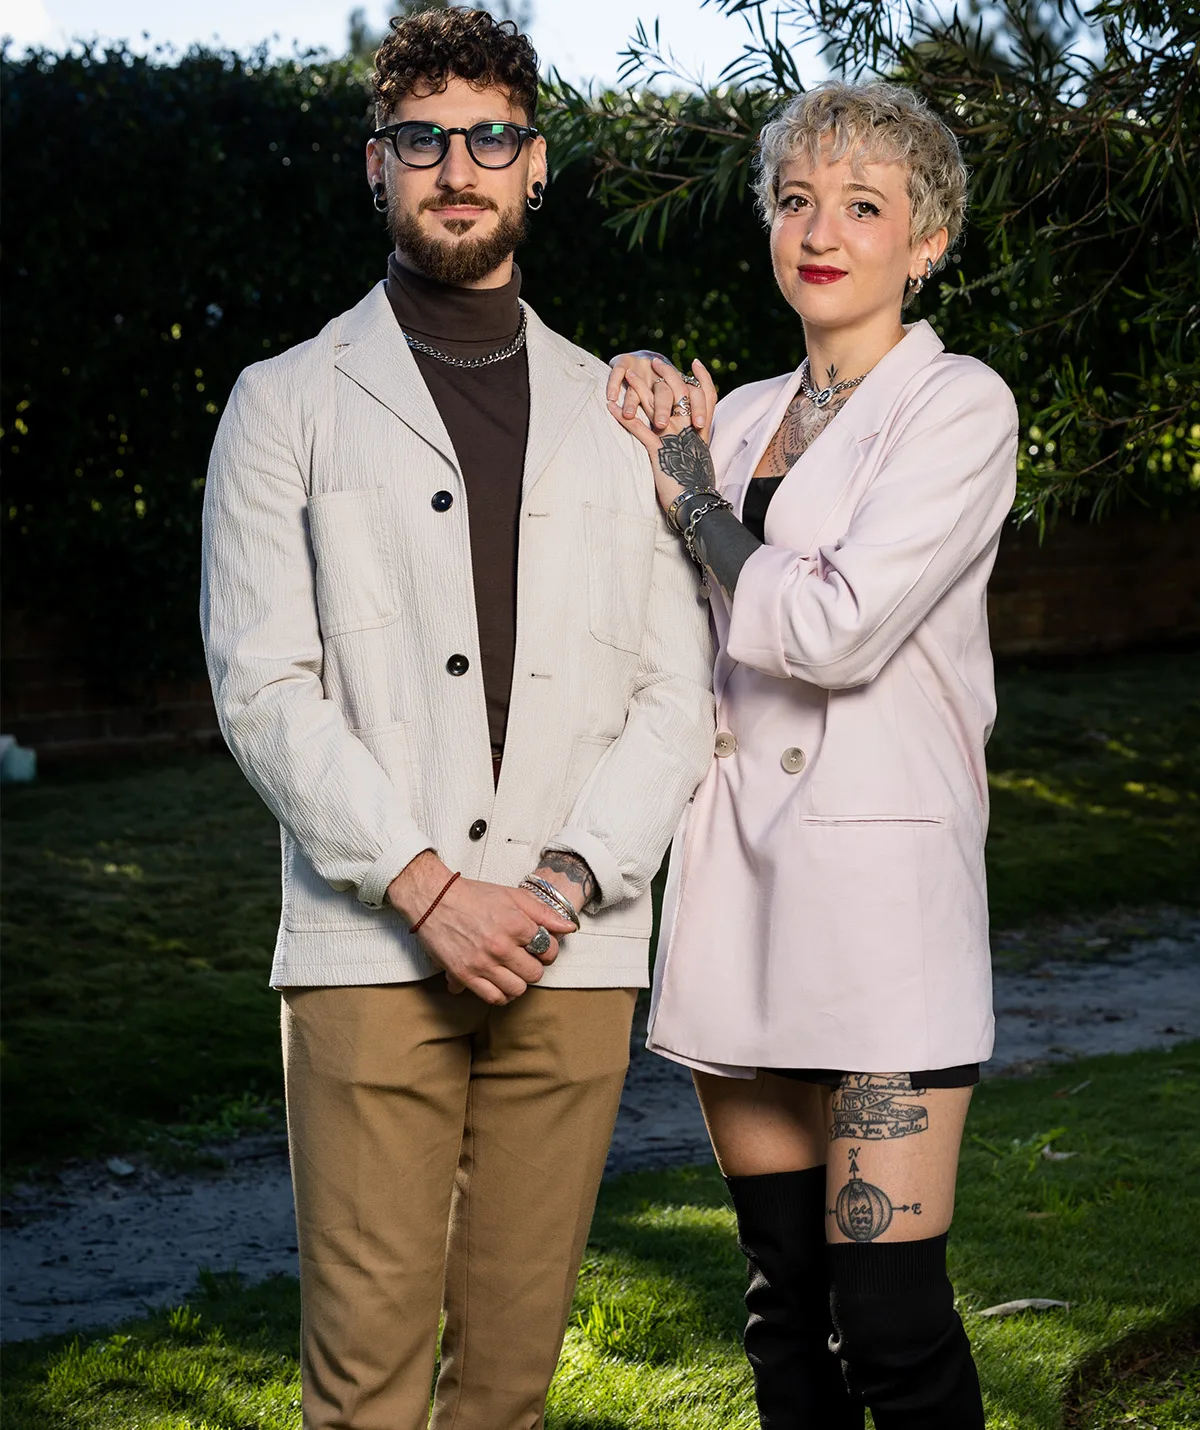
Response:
column 478, row 829
column 442, row 501
column 458, row 665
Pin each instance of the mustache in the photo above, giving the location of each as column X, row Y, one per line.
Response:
column 449, row 201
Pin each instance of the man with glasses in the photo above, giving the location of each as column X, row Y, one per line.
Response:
column 459, row 654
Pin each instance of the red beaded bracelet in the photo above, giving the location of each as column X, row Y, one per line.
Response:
column 437, row 901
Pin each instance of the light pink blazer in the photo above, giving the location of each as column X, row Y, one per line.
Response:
column 826, row 905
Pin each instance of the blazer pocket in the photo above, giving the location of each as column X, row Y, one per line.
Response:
column 620, row 562
column 852, row 819
column 355, row 566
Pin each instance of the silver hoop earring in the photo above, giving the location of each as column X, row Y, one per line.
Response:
column 914, row 285
column 379, row 198
column 538, row 199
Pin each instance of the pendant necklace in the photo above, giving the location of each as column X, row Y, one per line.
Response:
column 826, row 394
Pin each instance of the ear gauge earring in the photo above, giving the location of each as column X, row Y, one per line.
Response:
column 380, row 198
column 538, row 199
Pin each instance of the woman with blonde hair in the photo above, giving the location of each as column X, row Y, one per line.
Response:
column 824, row 962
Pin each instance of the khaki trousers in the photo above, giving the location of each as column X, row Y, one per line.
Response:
column 446, row 1157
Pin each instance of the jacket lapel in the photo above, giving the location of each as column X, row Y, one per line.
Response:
column 816, row 481
column 559, row 387
column 370, row 350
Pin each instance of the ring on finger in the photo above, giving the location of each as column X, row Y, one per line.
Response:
column 691, row 379
column 682, row 408
column 539, row 944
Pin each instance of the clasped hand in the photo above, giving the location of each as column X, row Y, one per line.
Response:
column 676, row 441
column 478, row 931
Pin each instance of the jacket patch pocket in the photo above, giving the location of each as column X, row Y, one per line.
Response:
column 620, row 562
column 392, row 748
column 355, row 570
column 586, row 754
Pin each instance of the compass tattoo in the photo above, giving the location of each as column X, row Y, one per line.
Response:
column 874, row 1107
column 863, row 1211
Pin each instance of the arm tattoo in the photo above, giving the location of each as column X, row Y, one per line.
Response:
column 724, row 545
column 562, row 861
column 863, row 1211
column 875, row 1107
column 722, row 542
column 685, row 457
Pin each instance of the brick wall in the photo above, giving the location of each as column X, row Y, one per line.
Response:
column 49, row 704
column 1128, row 582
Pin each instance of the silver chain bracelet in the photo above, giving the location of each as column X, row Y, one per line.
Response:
column 543, row 889
column 689, row 531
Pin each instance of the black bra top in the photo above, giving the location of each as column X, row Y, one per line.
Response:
column 759, row 492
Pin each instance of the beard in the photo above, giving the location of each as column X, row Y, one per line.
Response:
column 466, row 261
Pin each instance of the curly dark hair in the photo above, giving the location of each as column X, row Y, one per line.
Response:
column 423, row 51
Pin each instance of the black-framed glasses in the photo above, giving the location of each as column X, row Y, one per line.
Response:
column 421, row 145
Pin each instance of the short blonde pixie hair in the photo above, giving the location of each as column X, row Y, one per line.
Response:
column 875, row 122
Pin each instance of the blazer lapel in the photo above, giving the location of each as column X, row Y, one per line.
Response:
column 370, row 350
column 559, row 387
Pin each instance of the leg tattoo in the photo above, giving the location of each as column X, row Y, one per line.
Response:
column 864, row 1211
column 873, row 1107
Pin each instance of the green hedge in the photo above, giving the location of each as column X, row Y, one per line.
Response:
column 166, row 224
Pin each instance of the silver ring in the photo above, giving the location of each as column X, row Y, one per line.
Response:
column 539, row 943
column 691, row 379
column 683, row 408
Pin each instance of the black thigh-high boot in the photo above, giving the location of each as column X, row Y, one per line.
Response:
column 900, row 1340
column 781, row 1229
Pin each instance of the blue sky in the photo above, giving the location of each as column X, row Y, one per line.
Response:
column 582, row 38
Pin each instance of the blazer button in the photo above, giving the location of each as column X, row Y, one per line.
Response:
column 793, row 760
column 442, row 501
column 478, row 829
column 458, row 665
column 726, row 744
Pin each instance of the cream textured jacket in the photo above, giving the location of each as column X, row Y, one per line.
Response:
column 336, row 596
column 827, row 905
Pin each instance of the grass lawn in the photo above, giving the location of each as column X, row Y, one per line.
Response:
column 140, row 901
column 1113, row 1230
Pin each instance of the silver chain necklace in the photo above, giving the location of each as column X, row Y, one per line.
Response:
column 506, row 352
column 826, row 394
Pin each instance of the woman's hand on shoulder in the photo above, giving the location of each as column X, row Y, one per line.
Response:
column 648, row 380
column 678, row 443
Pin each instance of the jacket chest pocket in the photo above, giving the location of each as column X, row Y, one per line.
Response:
column 620, row 561
column 355, row 570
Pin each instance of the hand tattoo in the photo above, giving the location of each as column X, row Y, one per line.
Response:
column 875, row 1107
column 863, row 1211
column 562, row 861
column 685, row 458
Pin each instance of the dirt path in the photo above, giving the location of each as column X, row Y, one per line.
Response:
column 99, row 1245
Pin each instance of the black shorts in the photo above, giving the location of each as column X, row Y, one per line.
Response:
column 967, row 1075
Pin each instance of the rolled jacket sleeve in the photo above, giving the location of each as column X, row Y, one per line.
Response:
column 834, row 616
column 627, row 812
column 262, row 637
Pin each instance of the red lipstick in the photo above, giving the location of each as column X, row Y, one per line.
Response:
column 816, row 273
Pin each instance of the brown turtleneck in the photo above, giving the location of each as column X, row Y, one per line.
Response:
column 486, row 412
